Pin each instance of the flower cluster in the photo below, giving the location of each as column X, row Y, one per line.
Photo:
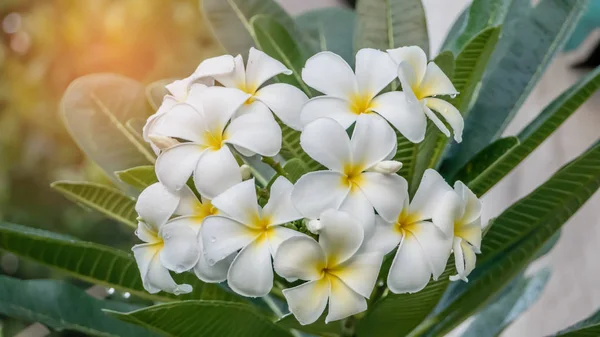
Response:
column 333, row 227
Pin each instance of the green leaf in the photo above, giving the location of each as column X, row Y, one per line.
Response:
column 589, row 327
column 329, row 29
column 275, row 40
column 388, row 24
column 62, row 306
column 95, row 263
column 230, row 21
column 519, row 233
column 104, row 199
column 537, row 131
column 533, row 43
column 204, row 318
column 484, row 164
column 95, row 109
column 295, row 169
column 318, row 328
column 156, row 91
column 139, row 177
column 509, row 304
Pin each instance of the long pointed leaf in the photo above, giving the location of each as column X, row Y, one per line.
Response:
column 95, row 263
column 204, row 318
column 139, row 177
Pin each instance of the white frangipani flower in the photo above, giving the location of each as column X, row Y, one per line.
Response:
column 350, row 184
column 257, row 232
column 282, row 99
column 463, row 211
column 181, row 91
column 168, row 245
column 349, row 94
column 207, row 128
column 421, row 82
column 424, row 242
column 337, row 271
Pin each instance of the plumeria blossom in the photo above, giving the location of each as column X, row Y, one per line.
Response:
column 424, row 241
column 336, row 271
column 282, row 99
column 184, row 90
column 256, row 232
column 421, row 82
column 168, row 245
column 349, row 94
column 463, row 212
column 360, row 175
column 207, row 130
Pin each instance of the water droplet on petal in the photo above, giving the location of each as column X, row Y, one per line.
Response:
column 453, row 96
column 166, row 236
column 213, row 239
column 211, row 262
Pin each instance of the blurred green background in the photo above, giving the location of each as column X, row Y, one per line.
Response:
column 45, row 45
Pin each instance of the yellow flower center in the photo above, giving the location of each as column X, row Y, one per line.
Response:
column 361, row 104
column 249, row 89
column 406, row 222
column 204, row 209
column 352, row 176
column 213, row 140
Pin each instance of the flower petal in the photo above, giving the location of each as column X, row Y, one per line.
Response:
column 341, row 236
column 307, row 301
column 222, row 236
column 450, row 113
column 188, row 202
column 278, row 234
column 236, row 78
column 280, row 208
column 438, row 122
column 372, row 140
column 251, row 272
column 147, row 233
column 360, row 272
column 327, row 142
column 300, row 257
column 257, row 132
column 218, row 106
column 471, row 233
column 408, row 119
column 217, row 65
column 317, row 191
column 285, row 101
column 448, row 213
column 180, row 252
column 465, row 260
column 384, row 239
column 357, row 205
column 374, row 71
column 239, row 202
column 181, row 121
column 413, row 56
column 429, row 195
column 155, row 205
column 175, row 165
column 211, row 273
column 155, row 277
column 386, row 192
column 262, row 67
column 216, row 172
column 435, row 82
column 343, row 301
column 472, row 204
column 410, row 272
column 167, row 104
column 327, row 106
column 435, row 245
column 330, row 74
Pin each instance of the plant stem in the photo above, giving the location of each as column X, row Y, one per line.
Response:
column 275, row 165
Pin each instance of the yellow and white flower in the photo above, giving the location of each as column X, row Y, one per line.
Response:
column 207, row 128
column 184, row 90
column 462, row 210
column 168, row 245
column 253, row 231
column 424, row 242
column 354, row 182
column 282, row 99
column 421, row 82
column 336, row 270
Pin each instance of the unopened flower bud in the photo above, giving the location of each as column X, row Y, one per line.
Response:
column 163, row 142
column 387, row 167
column 246, row 173
column 314, row 226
